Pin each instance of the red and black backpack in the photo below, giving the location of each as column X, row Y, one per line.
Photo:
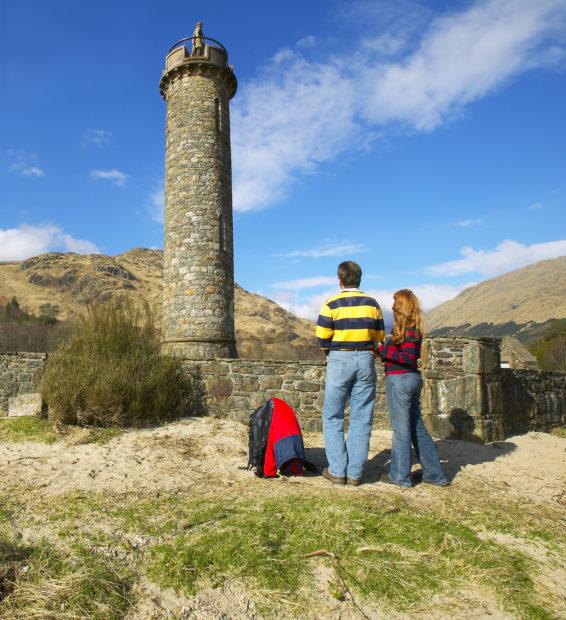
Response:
column 276, row 441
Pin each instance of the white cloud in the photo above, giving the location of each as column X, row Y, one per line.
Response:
column 25, row 241
column 298, row 113
column 96, row 137
column 308, row 41
column 157, row 203
column 32, row 171
column 429, row 294
column 114, row 176
column 506, row 256
column 468, row 223
column 24, row 164
column 536, row 206
column 302, row 283
column 329, row 248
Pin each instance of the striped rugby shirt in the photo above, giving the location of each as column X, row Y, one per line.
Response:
column 348, row 321
column 403, row 357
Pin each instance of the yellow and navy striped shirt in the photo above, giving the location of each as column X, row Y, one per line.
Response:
column 350, row 320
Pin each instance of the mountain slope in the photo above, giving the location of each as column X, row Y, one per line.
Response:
column 61, row 284
column 516, row 303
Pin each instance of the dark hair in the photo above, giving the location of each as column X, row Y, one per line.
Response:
column 349, row 274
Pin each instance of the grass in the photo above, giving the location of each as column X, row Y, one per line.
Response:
column 40, row 581
column 111, row 372
column 388, row 553
column 27, row 428
column 559, row 432
column 32, row 429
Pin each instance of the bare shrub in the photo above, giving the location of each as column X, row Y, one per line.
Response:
column 111, row 372
column 554, row 358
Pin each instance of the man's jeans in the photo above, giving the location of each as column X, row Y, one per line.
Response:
column 349, row 374
column 403, row 394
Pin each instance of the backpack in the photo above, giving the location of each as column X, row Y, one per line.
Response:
column 276, row 441
column 260, row 423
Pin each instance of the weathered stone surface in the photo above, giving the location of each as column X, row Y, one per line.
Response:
column 198, row 273
column 25, row 404
column 482, row 358
column 20, row 373
column 273, row 381
column 481, row 405
column 219, row 386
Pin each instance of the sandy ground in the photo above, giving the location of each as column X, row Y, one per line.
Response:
column 181, row 454
column 198, row 452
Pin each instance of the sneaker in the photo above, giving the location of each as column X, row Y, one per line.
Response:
column 353, row 483
column 334, row 479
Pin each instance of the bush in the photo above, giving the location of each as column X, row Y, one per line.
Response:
column 24, row 331
column 111, row 372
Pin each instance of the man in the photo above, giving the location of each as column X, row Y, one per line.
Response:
column 349, row 327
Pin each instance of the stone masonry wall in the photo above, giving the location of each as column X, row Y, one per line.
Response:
column 19, row 377
column 198, row 268
column 233, row 388
column 466, row 394
column 462, row 395
column 534, row 400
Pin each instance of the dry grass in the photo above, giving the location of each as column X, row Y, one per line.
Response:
column 112, row 373
column 388, row 553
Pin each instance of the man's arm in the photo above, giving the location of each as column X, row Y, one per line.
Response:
column 378, row 328
column 325, row 328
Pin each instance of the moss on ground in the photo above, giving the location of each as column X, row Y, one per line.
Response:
column 27, row 428
column 388, row 553
column 34, row 429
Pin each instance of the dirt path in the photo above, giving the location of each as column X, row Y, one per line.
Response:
column 181, row 454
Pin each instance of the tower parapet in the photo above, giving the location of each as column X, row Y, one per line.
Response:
column 198, row 271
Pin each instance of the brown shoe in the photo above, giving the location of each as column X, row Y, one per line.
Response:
column 334, row 479
column 384, row 477
column 353, row 483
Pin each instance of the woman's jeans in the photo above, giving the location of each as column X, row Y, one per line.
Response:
column 349, row 375
column 403, row 394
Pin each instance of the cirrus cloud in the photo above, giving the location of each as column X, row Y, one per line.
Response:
column 299, row 113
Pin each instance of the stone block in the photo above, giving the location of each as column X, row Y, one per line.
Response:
column 219, row 386
column 271, row 382
column 308, row 386
column 479, row 358
column 245, row 384
column 25, row 404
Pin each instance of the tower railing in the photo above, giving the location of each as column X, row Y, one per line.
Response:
column 182, row 43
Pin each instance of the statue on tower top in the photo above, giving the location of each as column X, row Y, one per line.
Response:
column 198, row 40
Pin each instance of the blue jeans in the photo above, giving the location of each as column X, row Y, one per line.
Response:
column 403, row 394
column 349, row 375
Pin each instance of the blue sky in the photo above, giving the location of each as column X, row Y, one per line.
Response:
column 425, row 140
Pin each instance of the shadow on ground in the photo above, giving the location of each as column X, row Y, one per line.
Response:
column 454, row 454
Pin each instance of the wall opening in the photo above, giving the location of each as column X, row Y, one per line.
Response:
column 218, row 115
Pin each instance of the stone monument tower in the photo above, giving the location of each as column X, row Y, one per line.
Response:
column 198, row 270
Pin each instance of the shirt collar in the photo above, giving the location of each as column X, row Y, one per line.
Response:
column 346, row 290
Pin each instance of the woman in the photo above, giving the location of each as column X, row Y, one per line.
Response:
column 403, row 384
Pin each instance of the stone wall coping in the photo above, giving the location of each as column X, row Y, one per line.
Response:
column 490, row 339
column 28, row 354
column 534, row 371
column 242, row 360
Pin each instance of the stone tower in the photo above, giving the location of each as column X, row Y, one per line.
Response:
column 198, row 269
